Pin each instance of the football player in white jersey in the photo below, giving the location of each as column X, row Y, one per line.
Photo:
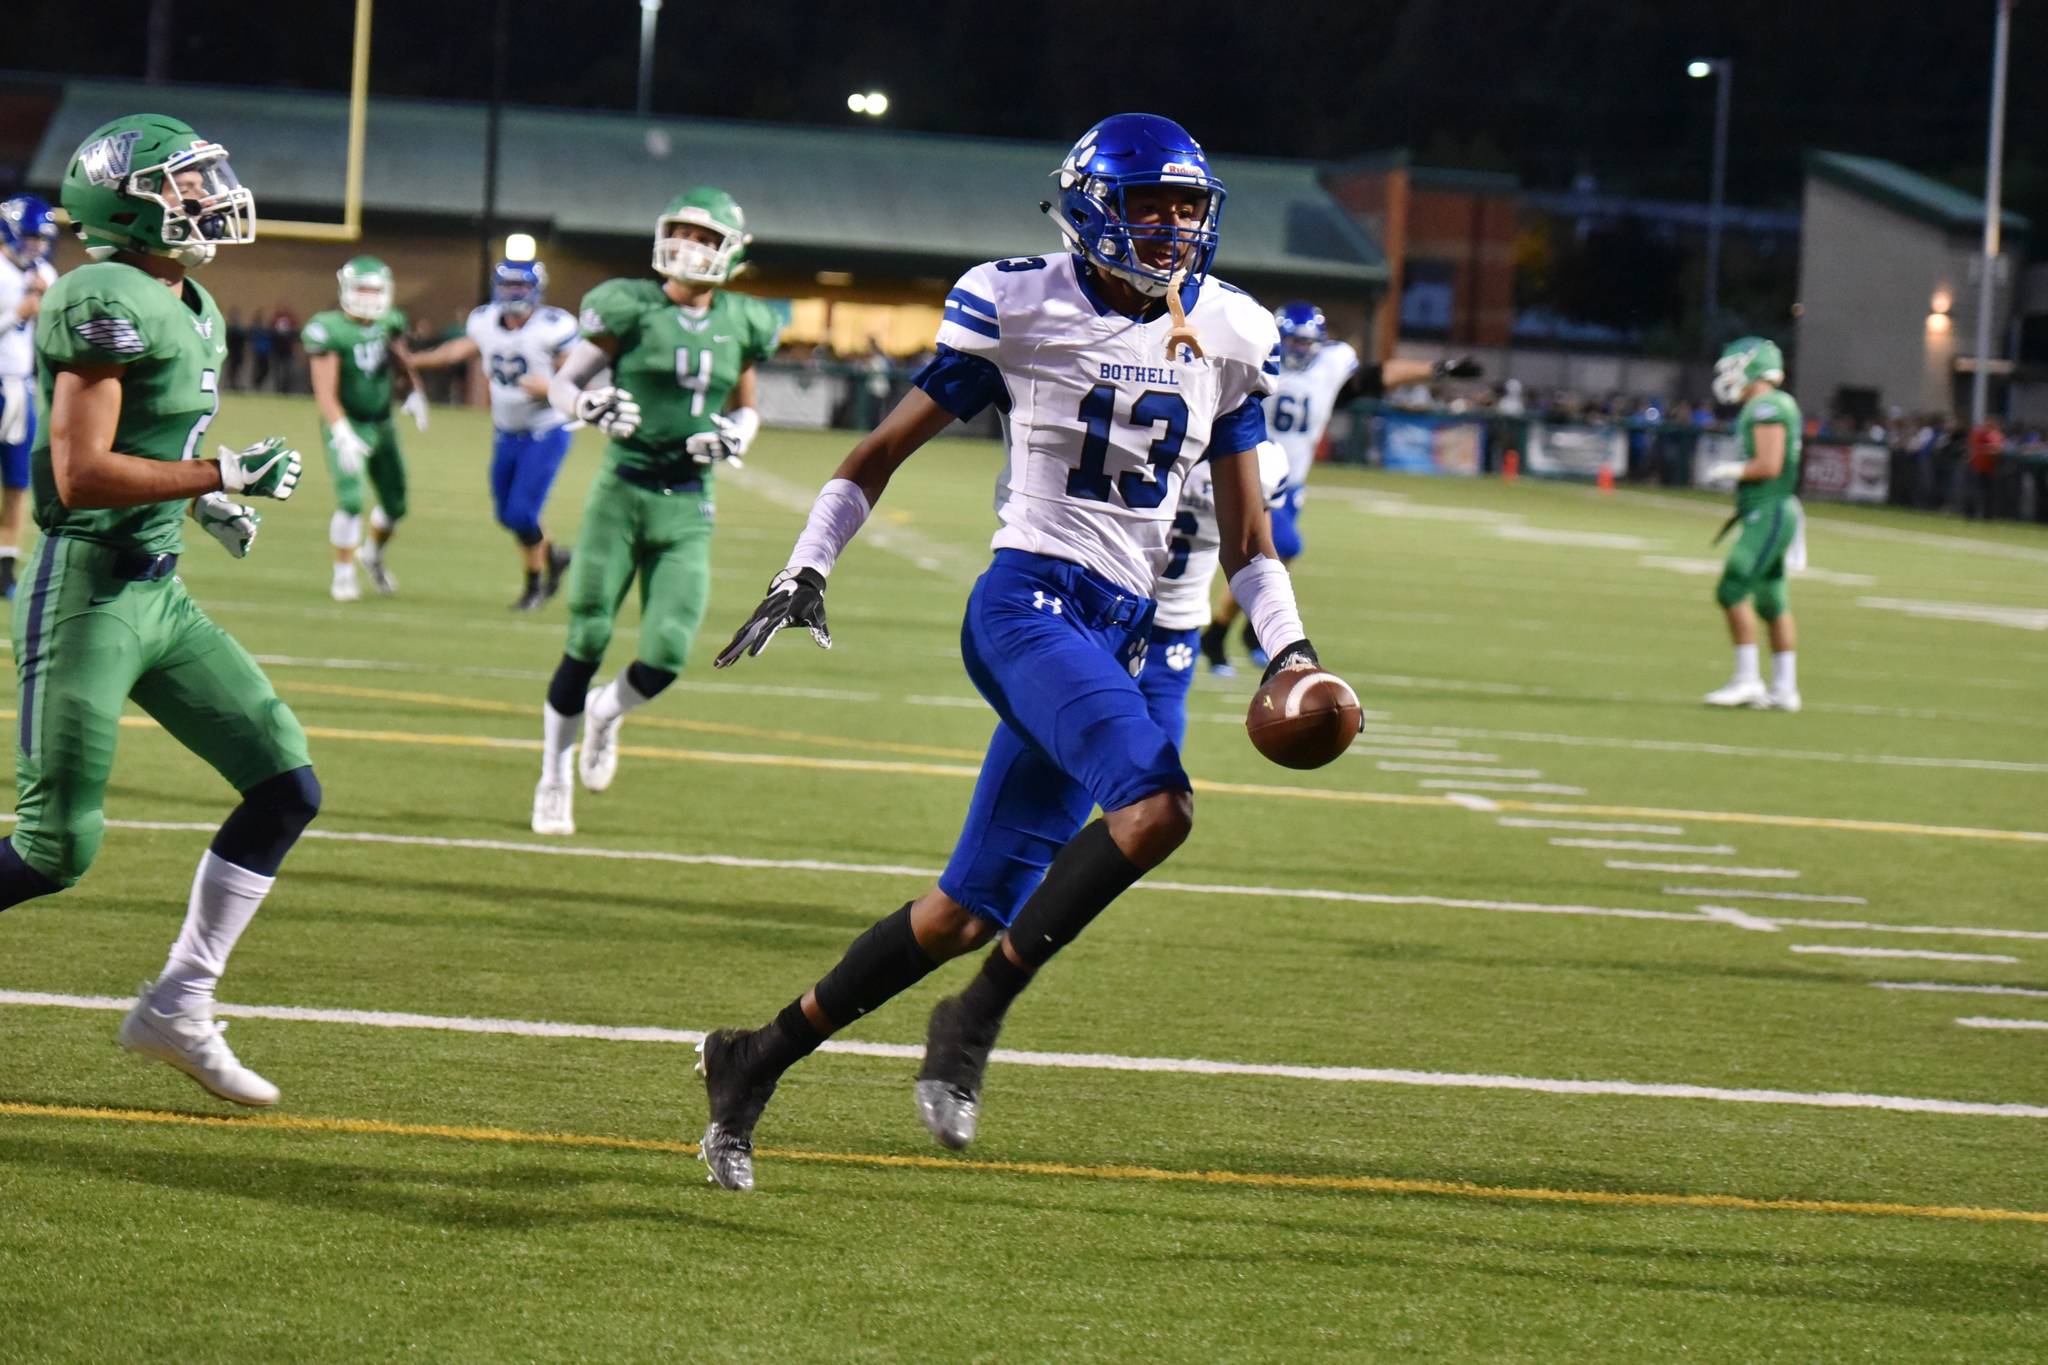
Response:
column 1110, row 398
column 1317, row 376
column 521, row 342
column 28, row 233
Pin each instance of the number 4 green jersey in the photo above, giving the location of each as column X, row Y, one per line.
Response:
column 365, row 351
column 170, row 346
column 1766, row 409
column 679, row 366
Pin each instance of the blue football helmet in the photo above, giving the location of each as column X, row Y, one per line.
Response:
column 1122, row 152
column 516, row 286
column 1303, row 330
column 28, row 230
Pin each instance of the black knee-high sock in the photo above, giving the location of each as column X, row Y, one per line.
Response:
column 882, row 963
column 18, row 881
column 273, row 814
column 567, row 687
column 1089, row 873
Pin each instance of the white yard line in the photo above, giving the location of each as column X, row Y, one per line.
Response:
column 1740, row 919
column 2019, row 618
column 1427, row 755
column 1090, row 1061
column 1533, row 788
column 1591, row 826
column 1925, row 954
column 1388, row 766
column 1471, row 802
column 1984, row 1021
column 1956, row 988
column 1623, row 865
column 732, row 861
column 1422, row 735
column 1744, row 893
column 1643, row 846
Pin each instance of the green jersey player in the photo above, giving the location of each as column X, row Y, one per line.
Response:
column 351, row 352
column 129, row 351
column 680, row 398
column 1767, row 510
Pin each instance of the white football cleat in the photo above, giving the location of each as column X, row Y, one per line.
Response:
column 1783, row 701
column 597, row 760
column 1750, row 693
column 346, row 587
column 193, row 1044
column 552, row 812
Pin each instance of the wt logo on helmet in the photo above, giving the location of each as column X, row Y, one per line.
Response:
column 108, row 161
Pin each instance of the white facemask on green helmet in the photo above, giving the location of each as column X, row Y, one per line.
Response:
column 1746, row 361
column 365, row 288
column 689, row 261
column 149, row 184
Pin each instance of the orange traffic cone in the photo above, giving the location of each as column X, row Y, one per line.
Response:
column 1605, row 479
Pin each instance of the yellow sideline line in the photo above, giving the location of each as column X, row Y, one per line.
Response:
column 1342, row 1184
column 877, row 765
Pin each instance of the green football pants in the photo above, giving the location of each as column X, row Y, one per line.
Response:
column 383, row 468
column 1756, row 566
column 85, row 641
column 664, row 539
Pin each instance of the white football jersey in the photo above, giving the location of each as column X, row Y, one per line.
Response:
column 1196, row 550
column 1299, row 411
column 17, row 338
column 1101, row 427
column 509, row 354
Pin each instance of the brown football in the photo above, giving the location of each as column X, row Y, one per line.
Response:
column 1304, row 718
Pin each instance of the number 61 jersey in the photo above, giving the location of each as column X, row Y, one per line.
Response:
column 510, row 354
column 1101, row 427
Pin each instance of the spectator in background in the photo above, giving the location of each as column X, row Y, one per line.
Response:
column 262, row 347
column 1986, row 445
column 238, row 345
column 284, row 342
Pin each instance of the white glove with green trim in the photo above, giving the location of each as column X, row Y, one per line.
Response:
column 268, row 469
column 231, row 523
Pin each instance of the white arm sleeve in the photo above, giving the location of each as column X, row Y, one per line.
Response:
column 1266, row 593
column 586, row 362
column 838, row 513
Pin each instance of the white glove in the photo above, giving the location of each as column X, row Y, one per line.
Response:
column 1726, row 471
column 729, row 439
column 350, row 450
column 14, row 402
column 231, row 523
column 611, row 411
column 415, row 407
column 268, row 469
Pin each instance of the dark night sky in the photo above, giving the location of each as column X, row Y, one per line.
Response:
column 1545, row 88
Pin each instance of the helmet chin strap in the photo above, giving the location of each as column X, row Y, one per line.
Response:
column 1180, row 334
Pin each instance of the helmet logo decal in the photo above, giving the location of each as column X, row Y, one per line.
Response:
column 106, row 163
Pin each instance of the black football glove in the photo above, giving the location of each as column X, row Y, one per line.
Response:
column 1457, row 367
column 794, row 599
column 1300, row 654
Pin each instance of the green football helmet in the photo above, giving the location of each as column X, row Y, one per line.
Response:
column 1746, row 361
column 692, row 262
column 147, row 183
column 365, row 288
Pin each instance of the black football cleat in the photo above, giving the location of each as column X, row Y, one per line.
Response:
column 956, row 1049
column 558, row 569
column 737, row 1099
column 1214, row 639
column 530, row 600
column 7, row 576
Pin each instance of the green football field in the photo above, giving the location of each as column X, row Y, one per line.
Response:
column 1562, row 1017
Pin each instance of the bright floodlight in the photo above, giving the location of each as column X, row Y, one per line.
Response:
column 1698, row 70
column 857, row 102
column 878, row 103
column 520, row 247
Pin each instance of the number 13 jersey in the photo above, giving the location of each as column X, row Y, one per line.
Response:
column 1101, row 428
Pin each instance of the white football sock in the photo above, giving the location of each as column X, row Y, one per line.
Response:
column 344, row 572
column 1745, row 665
column 615, row 699
column 558, row 737
column 1785, row 671
column 224, row 900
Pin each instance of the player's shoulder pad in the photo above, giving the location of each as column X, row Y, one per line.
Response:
column 104, row 313
column 972, row 315
column 320, row 329
column 394, row 322
column 1773, row 407
column 1343, row 356
column 614, row 307
column 482, row 313
column 1235, row 326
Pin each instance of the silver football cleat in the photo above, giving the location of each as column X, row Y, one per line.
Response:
column 950, row 1112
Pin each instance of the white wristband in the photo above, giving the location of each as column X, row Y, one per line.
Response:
column 1266, row 593
column 838, row 513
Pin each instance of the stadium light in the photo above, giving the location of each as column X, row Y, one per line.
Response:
column 873, row 103
column 1699, row 68
column 643, row 100
column 520, row 246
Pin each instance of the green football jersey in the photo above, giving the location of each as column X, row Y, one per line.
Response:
column 365, row 351
column 1765, row 409
column 170, row 346
column 679, row 366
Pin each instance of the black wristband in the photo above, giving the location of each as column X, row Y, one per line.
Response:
column 1299, row 654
